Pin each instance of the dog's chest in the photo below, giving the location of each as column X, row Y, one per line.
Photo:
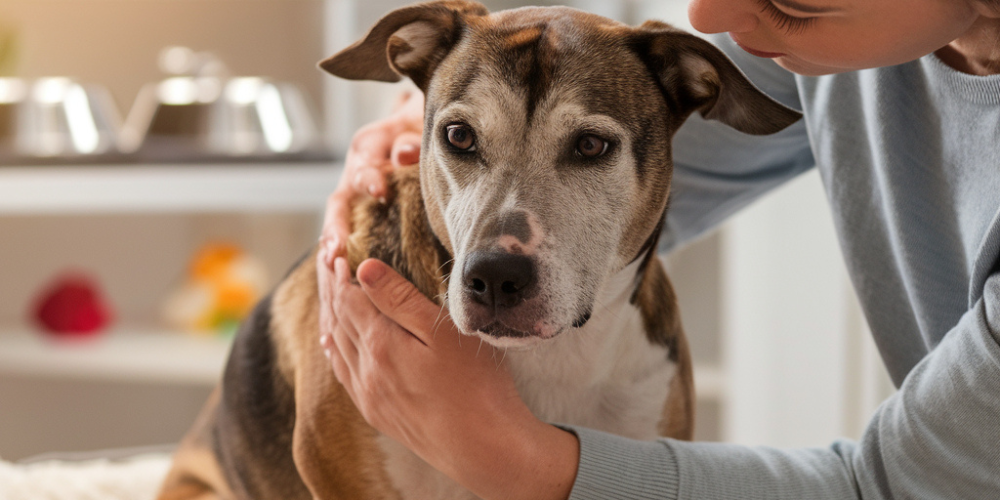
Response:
column 604, row 376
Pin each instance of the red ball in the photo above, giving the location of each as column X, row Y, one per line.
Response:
column 73, row 306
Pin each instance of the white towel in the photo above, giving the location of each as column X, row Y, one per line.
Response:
column 136, row 478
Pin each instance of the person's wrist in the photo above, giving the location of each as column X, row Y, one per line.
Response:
column 520, row 458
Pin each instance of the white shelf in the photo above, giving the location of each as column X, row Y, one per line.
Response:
column 121, row 355
column 161, row 356
column 285, row 187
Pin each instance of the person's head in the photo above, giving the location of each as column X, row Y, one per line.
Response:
column 816, row 37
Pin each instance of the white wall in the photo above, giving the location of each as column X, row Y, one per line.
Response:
column 798, row 356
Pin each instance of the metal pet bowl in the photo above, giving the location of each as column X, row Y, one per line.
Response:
column 187, row 118
column 56, row 117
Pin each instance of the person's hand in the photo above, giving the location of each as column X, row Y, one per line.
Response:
column 445, row 396
column 376, row 150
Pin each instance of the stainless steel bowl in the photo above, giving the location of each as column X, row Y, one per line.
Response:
column 188, row 117
column 54, row 118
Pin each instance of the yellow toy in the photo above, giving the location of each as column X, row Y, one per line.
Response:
column 222, row 287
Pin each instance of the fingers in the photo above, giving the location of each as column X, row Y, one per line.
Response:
column 376, row 149
column 337, row 362
column 372, row 181
column 400, row 301
column 324, row 284
column 361, row 320
column 336, row 227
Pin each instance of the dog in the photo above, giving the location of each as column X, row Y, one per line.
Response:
column 541, row 192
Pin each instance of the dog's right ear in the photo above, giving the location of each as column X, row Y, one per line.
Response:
column 410, row 41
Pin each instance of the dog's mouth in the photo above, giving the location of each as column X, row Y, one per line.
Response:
column 501, row 331
column 502, row 336
column 524, row 326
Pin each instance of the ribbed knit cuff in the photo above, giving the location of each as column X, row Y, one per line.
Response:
column 613, row 467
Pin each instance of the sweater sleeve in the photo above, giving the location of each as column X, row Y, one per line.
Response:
column 937, row 437
column 718, row 170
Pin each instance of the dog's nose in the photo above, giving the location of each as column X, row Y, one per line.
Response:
column 498, row 279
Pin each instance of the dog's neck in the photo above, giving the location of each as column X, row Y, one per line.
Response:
column 589, row 345
column 621, row 286
column 588, row 375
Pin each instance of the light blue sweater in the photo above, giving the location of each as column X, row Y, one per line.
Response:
column 910, row 158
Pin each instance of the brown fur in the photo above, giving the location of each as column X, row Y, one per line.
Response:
column 657, row 302
column 196, row 473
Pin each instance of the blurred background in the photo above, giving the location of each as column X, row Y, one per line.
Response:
column 163, row 162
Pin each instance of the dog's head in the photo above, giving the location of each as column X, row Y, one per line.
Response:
column 546, row 156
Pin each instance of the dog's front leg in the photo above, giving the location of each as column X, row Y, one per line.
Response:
column 335, row 450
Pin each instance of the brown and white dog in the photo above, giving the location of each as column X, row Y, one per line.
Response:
column 534, row 216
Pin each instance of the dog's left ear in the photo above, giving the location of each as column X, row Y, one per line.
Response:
column 699, row 77
column 410, row 41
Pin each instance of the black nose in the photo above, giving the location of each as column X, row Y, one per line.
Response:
column 498, row 279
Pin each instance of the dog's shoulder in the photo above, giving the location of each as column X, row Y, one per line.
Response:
column 657, row 302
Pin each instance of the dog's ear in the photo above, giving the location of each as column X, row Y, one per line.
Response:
column 410, row 41
column 699, row 77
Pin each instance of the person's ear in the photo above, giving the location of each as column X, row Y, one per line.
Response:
column 410, row 41
column 697, row 76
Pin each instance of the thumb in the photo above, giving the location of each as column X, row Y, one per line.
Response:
column 399, row 299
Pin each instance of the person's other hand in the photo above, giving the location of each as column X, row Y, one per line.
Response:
column 376, row 150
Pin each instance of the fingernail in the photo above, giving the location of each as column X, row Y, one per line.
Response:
column 371, row 189
column 374, row 274
column 382, row 200
column 328, row 354
column 408, row 149
column 325, row 341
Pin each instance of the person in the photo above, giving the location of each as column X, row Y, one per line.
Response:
column 901, row 103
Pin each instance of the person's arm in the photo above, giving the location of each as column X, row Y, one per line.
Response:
column 937, row 437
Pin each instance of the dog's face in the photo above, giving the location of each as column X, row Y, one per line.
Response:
column 546, row 153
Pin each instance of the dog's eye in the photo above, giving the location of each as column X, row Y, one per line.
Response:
column 462, row 137
column 591, row 146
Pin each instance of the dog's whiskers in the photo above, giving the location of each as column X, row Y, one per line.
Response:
column 447, row 262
